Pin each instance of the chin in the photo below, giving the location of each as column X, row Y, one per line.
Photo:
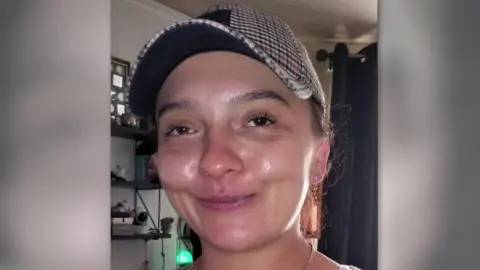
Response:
column 233, row 240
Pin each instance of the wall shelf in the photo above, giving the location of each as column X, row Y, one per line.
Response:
column 115, row 214
column 138, row 136
column 137, row 184
column 128, row 132
column 144, row 237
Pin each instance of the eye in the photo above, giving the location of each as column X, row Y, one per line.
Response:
column 261, row 120
column 179, row 131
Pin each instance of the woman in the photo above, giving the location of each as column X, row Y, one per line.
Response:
column 242, row 134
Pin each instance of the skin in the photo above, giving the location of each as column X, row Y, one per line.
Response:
column 235, row 130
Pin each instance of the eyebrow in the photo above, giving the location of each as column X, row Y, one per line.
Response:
column 244, row 98
column 171, row 106
column 259, row 95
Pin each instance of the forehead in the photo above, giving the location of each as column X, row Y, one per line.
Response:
column 209, row 75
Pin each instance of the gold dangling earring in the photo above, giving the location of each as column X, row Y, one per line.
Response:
column 314, row 188
column 310, row 218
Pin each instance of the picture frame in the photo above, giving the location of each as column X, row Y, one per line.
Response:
column 119, row 92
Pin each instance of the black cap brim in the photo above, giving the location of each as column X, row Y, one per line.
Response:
column 167, row 52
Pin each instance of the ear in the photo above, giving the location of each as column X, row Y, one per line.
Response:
column 320, row 164
column 152, row 166
column 154, row 158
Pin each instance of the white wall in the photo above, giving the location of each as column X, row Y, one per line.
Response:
column 133, row 22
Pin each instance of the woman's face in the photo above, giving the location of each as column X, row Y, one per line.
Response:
column 236, row 150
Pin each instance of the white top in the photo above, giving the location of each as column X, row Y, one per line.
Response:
column 348, row 267
column 342, row 267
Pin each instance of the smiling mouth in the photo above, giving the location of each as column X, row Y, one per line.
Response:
column 226, row 204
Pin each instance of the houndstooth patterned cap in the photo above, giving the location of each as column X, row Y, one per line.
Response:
column 227, row 27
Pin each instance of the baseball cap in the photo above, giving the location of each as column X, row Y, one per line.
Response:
column 227, row 27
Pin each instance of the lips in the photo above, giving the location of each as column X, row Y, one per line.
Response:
column 226, row 203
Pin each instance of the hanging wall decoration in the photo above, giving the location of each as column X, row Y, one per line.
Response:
column 118, row 89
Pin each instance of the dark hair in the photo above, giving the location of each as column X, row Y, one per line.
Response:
column 320, row 119
column 321, row 127
column 189, row 238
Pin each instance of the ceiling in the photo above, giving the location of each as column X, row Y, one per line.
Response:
column 351, row 21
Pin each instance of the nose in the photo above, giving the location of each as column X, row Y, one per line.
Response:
column 219, row 158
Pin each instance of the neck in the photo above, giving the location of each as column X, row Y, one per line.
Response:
column 291, row 251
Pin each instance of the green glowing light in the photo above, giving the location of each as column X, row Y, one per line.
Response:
column 184, row 257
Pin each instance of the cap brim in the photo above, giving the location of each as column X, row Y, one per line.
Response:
column 167, row 51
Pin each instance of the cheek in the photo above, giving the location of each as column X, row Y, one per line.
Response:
column 285, row 169
column 177, row 169
column 285, row 162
